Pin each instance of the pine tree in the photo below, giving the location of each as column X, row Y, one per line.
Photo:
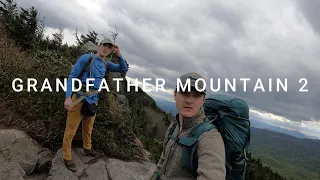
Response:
column 22, row 25
column 57, row 38
column 91, row 36
column 256, row 171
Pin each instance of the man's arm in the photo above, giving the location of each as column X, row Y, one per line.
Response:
column 121, row 67
column 75, row 72
column 211, row 157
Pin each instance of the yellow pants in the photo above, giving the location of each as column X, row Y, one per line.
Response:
column 73, row 120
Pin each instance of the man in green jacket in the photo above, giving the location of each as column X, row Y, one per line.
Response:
column 210, row 149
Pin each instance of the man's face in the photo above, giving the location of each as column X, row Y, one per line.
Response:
column 189, row 103
column 105, row 49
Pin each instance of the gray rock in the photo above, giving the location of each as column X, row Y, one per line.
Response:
column 3, row 160
column 11, row 170
column 84, row 159
column 96, row 171
column 42, row 176
column 20, row 155
column 18, row 147
column 119, row 170
column 44, row 160
column 7, row 138
column 121, row 99
column 25, row 153
column 58, row 169
column 63, row 176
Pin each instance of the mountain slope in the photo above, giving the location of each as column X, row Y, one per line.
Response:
column 166, row 105
column 291, row 157
column 295, row 133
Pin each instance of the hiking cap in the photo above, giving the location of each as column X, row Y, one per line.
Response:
column 193, row 76
column 106, row 40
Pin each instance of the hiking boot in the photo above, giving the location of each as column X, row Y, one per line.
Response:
column 87, row 152
column 70, row 165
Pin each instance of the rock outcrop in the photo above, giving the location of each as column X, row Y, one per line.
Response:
column 90, row 168
column 22, row 158
column 20, row 155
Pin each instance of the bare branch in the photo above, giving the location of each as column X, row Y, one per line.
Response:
column 114, row 35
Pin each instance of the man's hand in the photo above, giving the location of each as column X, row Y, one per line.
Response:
column 67, row 102
column 116, row 50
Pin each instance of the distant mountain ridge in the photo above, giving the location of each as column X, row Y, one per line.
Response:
column 290, row 156
column 295, row 133
column 170, row 106
column 166, row 105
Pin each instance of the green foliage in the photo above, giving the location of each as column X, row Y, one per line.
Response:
column 137, row 101
column 168, row 118
column 57, row 38
column 256, row 170
column 21, row 25
column 117, row 140
column 41, row 114
column 292, row 157
column 154, row 146
column 92, row 36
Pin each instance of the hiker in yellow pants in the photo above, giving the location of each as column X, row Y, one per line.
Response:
column 82, row 106
column 72, row 124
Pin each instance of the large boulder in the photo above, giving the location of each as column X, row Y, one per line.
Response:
column 20, row 155
column 16, row 146
column 11, row 170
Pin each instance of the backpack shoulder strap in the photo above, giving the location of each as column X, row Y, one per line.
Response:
column 171, row 131
column 88, row 65
column 189, row 145
column 198, row 130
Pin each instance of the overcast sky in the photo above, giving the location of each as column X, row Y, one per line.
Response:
column 219, row 39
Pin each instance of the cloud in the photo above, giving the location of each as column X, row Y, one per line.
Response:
column 229, row 39
column 310, row 9
column 310, row 128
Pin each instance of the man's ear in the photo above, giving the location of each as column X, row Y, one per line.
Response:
column 202, row 103
column 204, row 97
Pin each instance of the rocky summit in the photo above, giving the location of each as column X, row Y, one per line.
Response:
column 23, row 158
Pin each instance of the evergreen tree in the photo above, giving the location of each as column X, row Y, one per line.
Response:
column 57, row 38
column 91, row 36
column 256, row 171
column 22, row 25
